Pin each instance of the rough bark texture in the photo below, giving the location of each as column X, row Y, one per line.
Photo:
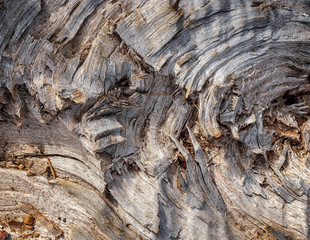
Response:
column 158, row 119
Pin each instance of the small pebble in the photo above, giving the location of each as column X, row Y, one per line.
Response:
column 28, row 220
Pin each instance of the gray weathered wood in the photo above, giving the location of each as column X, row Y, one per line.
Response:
column 185, row 119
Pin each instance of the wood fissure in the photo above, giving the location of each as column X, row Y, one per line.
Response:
column 154, row 119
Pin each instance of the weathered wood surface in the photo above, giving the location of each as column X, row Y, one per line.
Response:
column 185, row 119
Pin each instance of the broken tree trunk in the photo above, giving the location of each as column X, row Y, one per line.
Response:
column 184, row 119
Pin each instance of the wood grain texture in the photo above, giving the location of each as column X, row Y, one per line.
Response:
column 170, row 119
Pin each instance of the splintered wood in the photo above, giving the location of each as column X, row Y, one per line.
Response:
column 154, row 119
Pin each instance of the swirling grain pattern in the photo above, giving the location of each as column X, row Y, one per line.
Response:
column 168, row 119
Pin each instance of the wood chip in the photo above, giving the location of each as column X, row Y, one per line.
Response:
column 29, row 220
column 3, row 235
column 36, row 235
column 21, row 166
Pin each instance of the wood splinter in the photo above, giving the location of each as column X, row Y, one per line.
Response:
column 51, row 168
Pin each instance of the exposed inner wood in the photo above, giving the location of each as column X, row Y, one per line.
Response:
column 155, row 119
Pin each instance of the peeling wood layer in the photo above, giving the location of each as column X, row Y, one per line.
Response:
column 155, row 119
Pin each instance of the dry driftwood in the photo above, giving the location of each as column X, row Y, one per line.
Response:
column 167, row 119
